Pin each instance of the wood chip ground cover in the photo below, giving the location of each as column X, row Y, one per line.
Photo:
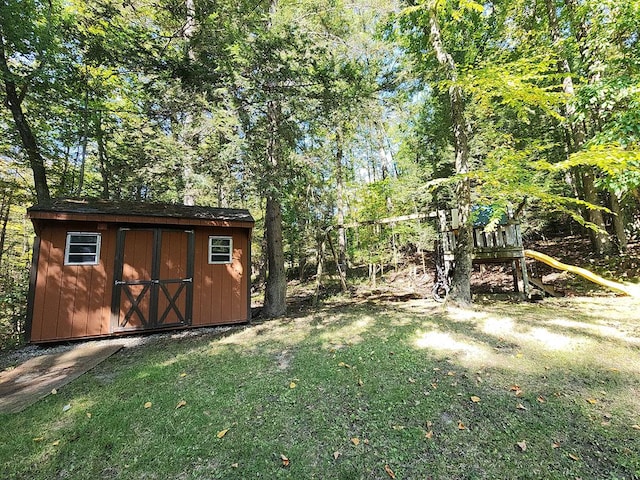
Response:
column 381, row 391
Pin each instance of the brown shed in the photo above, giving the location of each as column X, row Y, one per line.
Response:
column 108, row 268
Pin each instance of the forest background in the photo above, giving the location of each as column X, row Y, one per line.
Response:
column 322, row 117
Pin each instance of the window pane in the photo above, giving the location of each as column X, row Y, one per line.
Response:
column 83, row 239
column 83, row 249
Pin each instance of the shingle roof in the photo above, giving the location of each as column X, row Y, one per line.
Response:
column 142, row 209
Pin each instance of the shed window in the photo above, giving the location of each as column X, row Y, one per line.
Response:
column 82, row 248
column 220, row 249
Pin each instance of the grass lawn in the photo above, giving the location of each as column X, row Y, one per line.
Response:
column 406, row 390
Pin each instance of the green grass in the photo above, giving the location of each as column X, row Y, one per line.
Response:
column 390, row 376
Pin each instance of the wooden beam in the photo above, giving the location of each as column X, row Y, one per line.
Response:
column 381, row 221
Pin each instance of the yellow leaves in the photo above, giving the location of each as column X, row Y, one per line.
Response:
column 292, row 385
column 56, row 443
column 38, row 439
column 574, row 457
column 475, row 399
column 181, row 404
column 344, row 365
column 285, row 461
column 355, row 441
column 429, row 434
column 183, row 374
column 541, row 399
column 360, row 382
column 516, row 389
column 389, row 471
column 592, row 401
column 635, row 427
column 461, row 425
column 222, row 433
column 147, row 404
column 88, row 414
column 54, row 392
column 522, row 445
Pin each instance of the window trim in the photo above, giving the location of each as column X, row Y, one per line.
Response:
column 98, row 244
column 229, row 253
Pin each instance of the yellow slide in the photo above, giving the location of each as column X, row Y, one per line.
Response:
column 631, row 290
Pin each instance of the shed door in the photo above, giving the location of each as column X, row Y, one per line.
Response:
column 153, row 279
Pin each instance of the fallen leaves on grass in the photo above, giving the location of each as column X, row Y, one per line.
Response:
column 516, row 390
column 54, row 392
column 285, row 461
column 147, row 404
column 292, row 385
column 181, row 404
column 56, row 443
column 389, row 471
column 336, row 455
column 574, row 457
column 541, row 399
column 360, row 382
column 183, row 374
column 38, row 439
column 66, row 408
column 592, row 401
column 461, row 426
column 522, row 445
column 355, row 441
column 521, row 407
column 222, row 433
column 555, row 445
column 475, row 399
column 429, row 434
column 344, row 365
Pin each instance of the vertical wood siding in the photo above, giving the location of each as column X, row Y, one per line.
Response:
column 74, row 301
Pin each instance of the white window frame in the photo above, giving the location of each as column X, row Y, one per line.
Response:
column 228, row 253
column 93, row 258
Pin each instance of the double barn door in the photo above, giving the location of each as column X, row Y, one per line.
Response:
column 153, row 285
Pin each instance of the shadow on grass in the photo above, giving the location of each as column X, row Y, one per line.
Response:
column 346, row 390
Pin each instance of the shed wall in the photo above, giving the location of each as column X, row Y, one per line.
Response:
column 74, row 301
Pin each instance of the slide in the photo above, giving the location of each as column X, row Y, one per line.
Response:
column 631, row 290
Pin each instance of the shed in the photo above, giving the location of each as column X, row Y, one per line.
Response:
column 104, row 268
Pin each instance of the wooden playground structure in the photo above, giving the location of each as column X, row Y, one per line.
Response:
column 500, row 243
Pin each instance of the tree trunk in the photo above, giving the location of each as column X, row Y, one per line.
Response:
column 460, row 292
column 103, row 159
column 618, row 221
column 276, row 285
column 340, row 204
column 14, row 102
column 599, row 238
column 5, row 209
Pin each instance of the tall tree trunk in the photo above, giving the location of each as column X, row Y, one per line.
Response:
column 461, row 283
column 599, row 238
column 340, row 203
column 276, row 286
column 13, row 101
column 103, row 158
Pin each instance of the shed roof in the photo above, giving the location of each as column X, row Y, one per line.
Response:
column 143, row 212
